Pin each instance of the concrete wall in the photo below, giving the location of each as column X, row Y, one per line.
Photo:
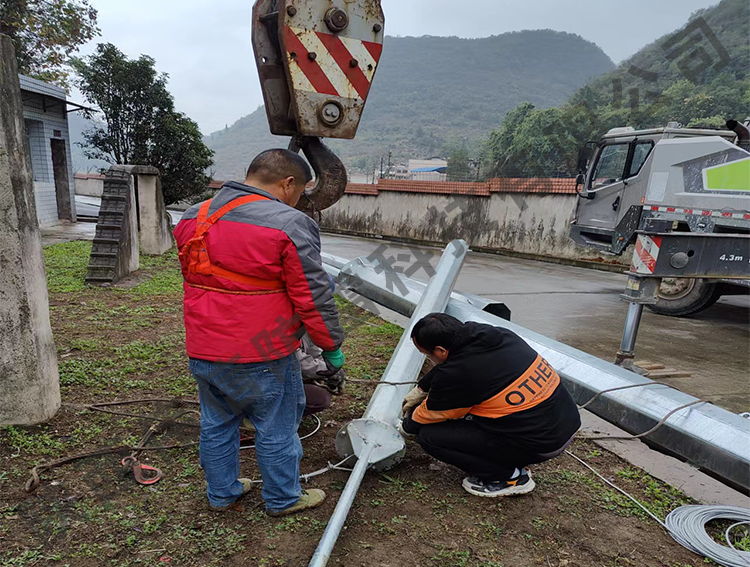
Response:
column 45, row 119
column 526, row 224
column 155, row 222
column 46, row 204
column 90, row 185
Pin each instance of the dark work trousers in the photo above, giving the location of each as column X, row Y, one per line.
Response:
column 488, row 456
column 318, row 399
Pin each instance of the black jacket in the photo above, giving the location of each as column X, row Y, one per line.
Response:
column 494, row 378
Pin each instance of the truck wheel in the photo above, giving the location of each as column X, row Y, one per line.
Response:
column 681, row 296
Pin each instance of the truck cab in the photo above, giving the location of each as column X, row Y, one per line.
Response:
column 613, row 182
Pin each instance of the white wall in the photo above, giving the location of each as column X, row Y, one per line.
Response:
column 46, row 204
column 533, row 224
column 92, row 187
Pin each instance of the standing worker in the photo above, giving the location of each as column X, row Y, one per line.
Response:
column 490, row 406
column 254, row 283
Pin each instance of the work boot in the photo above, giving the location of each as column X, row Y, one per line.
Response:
column 247, row 486
column 522, row 484
column 310, row 499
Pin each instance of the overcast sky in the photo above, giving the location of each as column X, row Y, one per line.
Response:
column 204, row 45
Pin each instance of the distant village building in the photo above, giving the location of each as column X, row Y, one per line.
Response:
column 434, row 169
column 45, row 113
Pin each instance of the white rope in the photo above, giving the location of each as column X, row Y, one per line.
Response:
column 313, row 432
column 324, row 470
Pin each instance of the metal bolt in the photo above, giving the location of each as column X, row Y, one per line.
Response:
column 331, row 113
column 354, row 63
column 292, row 11
column 377, row 28
column 336, row 19
column 312, row 56
column 679, row 260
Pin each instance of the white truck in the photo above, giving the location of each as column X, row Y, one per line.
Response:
column 682, row 181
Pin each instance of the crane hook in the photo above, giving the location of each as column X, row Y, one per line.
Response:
column 330, row 175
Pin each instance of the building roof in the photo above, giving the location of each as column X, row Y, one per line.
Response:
column 42, row 88
column 437, row 169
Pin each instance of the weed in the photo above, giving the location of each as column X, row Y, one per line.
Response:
column 491, row 528
column 451, row 558
column 31, row 443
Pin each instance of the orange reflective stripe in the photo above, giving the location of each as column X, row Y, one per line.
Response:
column 230, row 292
column 195, row 255
column 537, row 384
column 247, row 280
column 425, row 416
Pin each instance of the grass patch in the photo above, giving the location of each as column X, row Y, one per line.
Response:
column 66, row 266
column 29, row 442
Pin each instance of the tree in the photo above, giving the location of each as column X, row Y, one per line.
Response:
column 46, row 32
column 140, row 125
column 459, row 166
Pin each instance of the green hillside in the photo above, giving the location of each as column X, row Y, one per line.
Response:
column 434, row 94
column 696, row 83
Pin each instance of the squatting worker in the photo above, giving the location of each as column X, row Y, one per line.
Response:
column 491, row 405
column 254, row 283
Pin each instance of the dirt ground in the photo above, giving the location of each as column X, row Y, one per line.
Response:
column 126, row 343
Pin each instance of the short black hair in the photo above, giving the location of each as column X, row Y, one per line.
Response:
column 274, row 165
column 437, row 330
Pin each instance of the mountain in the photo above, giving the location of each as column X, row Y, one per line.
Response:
column 699, row 76
column 709, row 53
column 432, row 95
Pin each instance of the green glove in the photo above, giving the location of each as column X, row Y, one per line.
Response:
column 335, row 358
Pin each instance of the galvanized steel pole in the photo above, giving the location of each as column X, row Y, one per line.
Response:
column 374, row 438
column 705, row 435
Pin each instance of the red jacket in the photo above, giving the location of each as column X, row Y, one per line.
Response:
column 233, row 322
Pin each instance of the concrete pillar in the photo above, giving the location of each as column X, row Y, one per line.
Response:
column 155, row 222
column 29, row 383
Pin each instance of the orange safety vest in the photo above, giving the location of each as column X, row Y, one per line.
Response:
column 194, row 254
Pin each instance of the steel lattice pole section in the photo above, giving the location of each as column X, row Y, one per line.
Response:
column 374, row 438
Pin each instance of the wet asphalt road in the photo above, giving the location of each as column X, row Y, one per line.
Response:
column 582, row 308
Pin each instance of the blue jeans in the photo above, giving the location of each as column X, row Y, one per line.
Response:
column 272, row 396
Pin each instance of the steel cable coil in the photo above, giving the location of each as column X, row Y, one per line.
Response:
column 687, row 525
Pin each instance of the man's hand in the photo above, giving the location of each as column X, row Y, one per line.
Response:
column 333, row 382
column 412, row 400
column 335, row 359
column 403, row 432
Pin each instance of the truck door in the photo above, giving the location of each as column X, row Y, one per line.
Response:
column 605, row 186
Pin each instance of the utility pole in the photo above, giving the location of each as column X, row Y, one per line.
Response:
column 29, row 381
